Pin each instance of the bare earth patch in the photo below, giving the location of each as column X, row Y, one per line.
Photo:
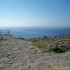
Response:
column 17, row 54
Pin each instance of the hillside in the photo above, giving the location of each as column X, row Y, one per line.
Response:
column 57, row 44
column 18, row 54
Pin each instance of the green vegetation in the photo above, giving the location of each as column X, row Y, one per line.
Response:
column 61, row 49
column 41, row 44
column 52, row 45
column 1, row 39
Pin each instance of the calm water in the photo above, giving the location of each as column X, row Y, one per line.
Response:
column 37, row 32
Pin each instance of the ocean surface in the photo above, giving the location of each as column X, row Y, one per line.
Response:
column 34, row 32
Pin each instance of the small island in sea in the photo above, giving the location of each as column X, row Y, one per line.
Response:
column 43, row 53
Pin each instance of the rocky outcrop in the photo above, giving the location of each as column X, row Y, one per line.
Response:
column 17, row 54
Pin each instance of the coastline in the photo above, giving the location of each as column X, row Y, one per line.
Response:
column 27, row 32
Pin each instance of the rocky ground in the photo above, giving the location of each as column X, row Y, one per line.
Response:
column 17, row 54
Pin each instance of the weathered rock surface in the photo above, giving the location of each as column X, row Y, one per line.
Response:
column 16, row 54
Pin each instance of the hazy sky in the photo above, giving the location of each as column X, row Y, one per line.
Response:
column 34, row 13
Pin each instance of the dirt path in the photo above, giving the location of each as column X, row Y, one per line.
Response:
column 16, row 54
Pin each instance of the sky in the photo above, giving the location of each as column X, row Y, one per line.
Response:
column 20, row 13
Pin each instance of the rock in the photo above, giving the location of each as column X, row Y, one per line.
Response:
column 16, row 54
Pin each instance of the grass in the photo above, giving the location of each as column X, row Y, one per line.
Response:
column 1, row 39
column 47, row 45
column 41, row 44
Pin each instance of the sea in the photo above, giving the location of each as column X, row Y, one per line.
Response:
column 35, row 32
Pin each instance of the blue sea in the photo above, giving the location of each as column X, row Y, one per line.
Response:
column 35, row 32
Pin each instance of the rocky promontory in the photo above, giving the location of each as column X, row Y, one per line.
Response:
column 19, row 54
